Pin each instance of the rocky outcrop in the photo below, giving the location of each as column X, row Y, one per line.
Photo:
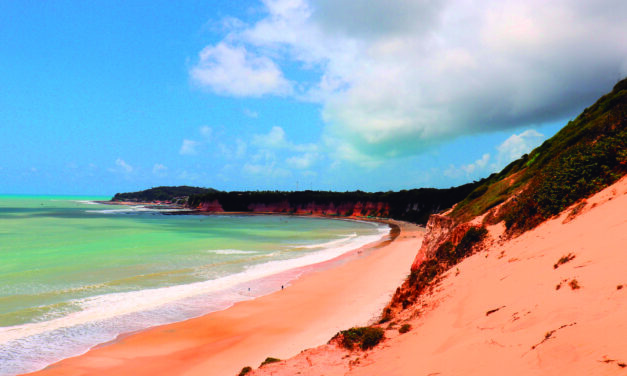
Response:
column 210, row 207
column 440, row 228
column 358, row 209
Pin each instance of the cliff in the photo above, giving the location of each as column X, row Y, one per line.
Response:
column 524, row 276
column 413, row 205
column 548, row 302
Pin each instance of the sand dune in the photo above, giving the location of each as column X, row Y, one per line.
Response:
column 510, row 310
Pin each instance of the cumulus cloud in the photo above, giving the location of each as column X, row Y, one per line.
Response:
column 233, row 70
column 250, row 113
column 509, row 150
column 303, row 161
column 206, row 131
column 189, row 147
column 274, row 139
column 397, row 76
column 517, row 145
column 478, row 167
column 123, row 166
column 266, row 170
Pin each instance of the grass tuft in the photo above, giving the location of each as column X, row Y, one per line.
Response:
column 245, row 371
column 563, row 260
column 269, row 360
column 404, row 329
column 366, row 337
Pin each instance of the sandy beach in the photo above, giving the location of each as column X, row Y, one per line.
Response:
column 512, row 309
column 305, row 314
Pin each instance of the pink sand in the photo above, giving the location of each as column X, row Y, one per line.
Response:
column 533, row 329
column 306, row 314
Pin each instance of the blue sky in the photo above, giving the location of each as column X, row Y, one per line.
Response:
column 105, row 97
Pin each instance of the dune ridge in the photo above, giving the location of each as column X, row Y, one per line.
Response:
column 549, row 302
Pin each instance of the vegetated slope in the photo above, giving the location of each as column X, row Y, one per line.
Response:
column 539, row 300
column 415, row 205
column 588, row 154
column 161, row 194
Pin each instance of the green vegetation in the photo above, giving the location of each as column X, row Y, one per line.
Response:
column 563, row 260
column 588, row 154
column 269, row 360
column 415, row 205
column 451, row 255
column 162, row 194
column 426, row 272
column 245, row 371
column 365, row 337
column 404, row 329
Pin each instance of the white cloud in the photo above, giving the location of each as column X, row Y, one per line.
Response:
column 509, row 150
column 159, row 170
column 303, row 161
column 250, row 113
column 474, row 169
column 189, row 147
column 124, row 167
column 206, row 131
column 240, row 148
column 266, row 170
column 517, row 145
column 274, row 139
column 237, row 151
column 398, row 76
column 479, row 164
column 232, row 70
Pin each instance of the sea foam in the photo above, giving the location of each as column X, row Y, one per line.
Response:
column 32, row 346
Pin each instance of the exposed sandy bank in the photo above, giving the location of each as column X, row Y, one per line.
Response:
column 306, row 314
column 509, row 311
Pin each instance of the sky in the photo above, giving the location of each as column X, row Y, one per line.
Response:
column 99, row 97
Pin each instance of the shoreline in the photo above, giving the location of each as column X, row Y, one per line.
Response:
column 214, row 341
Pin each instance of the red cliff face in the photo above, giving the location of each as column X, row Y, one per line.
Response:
column 357, row 209
column 277, row 207
column 440, row 229
column 211, row 207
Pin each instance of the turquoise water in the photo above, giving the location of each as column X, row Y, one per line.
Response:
column 75, row 273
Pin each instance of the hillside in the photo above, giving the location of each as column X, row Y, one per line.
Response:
column 415, row 205
column 549, row 302
column 588, row 154
column 180, row 193
column 524, row 276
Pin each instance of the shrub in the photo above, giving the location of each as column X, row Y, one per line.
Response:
column 365, row 337
column 269, row 360
column 387, row 316
column 445, row 252
column 563, row 260
column 473, row 236
column 404, row 329
column 245, row 371
column 426, row 272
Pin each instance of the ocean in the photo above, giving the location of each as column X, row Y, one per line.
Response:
column 75, row 273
